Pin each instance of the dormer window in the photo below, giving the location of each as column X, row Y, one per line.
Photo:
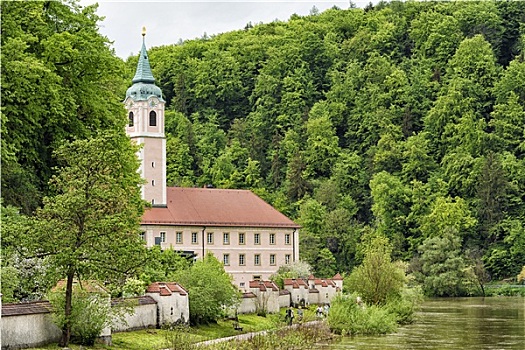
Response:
column 130, row 117
column 152, row 118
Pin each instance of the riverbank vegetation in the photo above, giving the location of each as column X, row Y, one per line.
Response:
column 378, row 294
column 164, row 338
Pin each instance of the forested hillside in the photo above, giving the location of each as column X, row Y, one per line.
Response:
column 406, row 119
column 403, row 119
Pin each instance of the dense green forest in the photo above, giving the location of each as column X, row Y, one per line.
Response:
column 404, row 119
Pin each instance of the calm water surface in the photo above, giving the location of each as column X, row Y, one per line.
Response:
column 458, row 323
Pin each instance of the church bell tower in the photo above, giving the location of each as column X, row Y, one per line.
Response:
column 145, row 107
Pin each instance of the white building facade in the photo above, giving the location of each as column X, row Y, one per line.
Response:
column 249, row 236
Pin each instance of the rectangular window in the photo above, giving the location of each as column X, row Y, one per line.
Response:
column 226, row 259
column 256, row 238
column 178, row 237
column 210, row 238
column 242, row 260
column 225, row 238
column 194, row 238
column 143, row 235
column 241, row 284
column 287, row 238
column 272, row 259
column 163, row 237
column 287, row 259
column 257, row 259
column 256, row 277
column 272, row 238
column 241, row 238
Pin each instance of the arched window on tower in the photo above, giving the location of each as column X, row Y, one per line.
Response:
column 152, row 118
column 130, row 116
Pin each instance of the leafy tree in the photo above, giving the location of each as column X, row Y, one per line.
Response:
column 378, row 277
column 60, row 81
column 491, row 194
column 23, row 278
column 210, row 289
column 89, row 228
column 391, row 199
column 436, row 36
column 444, row 270
column 91, row 311
column 296, row 269
column 312, row 218
column 321, row 144
column 509, row 132
column 504, row 256
column 325, row 264
column 178, row 162
column 162, row 265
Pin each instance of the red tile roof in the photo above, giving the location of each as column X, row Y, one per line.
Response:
column 166, row 288
column 35, row 307
column 295, row 283
column 337, row 277
column 264, row 285
column 216, row 207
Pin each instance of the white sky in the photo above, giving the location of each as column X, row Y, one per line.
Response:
column 168, row 21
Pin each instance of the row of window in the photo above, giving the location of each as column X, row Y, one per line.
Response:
column 256, row 259
column 152, row 119
column 225, row 238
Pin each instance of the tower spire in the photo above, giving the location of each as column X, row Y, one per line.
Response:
column 143, row 81
column 143, row 73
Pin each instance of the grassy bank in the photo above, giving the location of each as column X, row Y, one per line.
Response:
column 153, row 339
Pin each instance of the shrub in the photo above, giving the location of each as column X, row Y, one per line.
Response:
column 179, row 337
column 349, row 317
column 506, row 291
column 90, row 314
column 378, row 277
column 404, row 305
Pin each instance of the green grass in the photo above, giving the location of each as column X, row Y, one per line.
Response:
column 154, row 339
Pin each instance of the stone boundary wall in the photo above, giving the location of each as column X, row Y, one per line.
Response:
column 27, row 325
column 144, row 316
column 248, row 304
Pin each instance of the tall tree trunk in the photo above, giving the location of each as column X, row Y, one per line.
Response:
column 66, row 330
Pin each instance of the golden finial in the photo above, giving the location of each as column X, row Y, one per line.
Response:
column 143, row 31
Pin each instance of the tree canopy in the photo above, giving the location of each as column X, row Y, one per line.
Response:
column 405, row 119
column 89, row 227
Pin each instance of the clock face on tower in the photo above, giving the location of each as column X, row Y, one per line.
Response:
column 153, row 102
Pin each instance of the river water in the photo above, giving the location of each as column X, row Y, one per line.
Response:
column 455, row 323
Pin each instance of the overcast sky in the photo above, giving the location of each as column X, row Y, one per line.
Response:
column 168, row 21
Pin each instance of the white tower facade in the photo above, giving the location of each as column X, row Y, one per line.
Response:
column 145, row 108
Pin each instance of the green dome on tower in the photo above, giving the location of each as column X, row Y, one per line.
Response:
column 143, row 82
